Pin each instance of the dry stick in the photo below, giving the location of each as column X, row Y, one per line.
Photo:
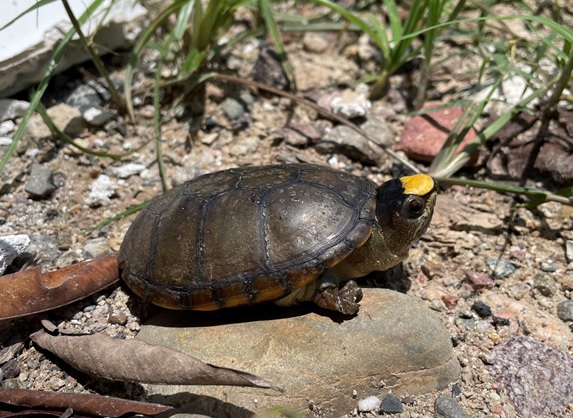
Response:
column 320, row 110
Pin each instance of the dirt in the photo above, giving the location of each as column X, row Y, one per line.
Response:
column 450, row 270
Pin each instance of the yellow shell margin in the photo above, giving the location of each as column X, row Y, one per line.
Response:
column 418, row 184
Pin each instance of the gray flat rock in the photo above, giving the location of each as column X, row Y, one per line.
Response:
column 394, row 341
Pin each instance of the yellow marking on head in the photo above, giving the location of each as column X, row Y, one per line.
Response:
column 418, row 184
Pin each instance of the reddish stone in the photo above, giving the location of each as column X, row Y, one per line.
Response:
column 478, row 280
column 496, row 409
column 450, row 301
column 424, row 135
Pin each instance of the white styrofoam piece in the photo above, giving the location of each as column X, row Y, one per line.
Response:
column 27, row 45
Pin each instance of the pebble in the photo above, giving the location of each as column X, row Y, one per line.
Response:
column 487, row 358
column 10, row 369
column 56, row 383
column 6, row 127
column 246, row 98
column 481, row 308
column 391, row 405
column 101, row 190
column 11, row 246
column 96, row 247
column 378, row 129
column 545, row 285
column 209, row 138
column 501, row 269
column 83, row 95
column 127, row 170
column 366, row 51
column 66, row 118
column 96, row 115
column 478, row 280
column 343, row 140
column 519, row 290
column 494, row 397
column 294, row 138
column 424, row 135
column 481, row 326
column 233, row 109
column 12, row 109
column 447, row 407
column 569, row 250
column 549, row 266
column 118, row 318
column 369, row 404
column 508, row 95
column 244, row 146
column 565, row 310
column 496, row 409
column 268, row 70
column 351, row 104
column 316, row 42
column 40, row 182
column 496, row 320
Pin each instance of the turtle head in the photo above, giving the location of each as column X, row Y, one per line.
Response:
column 404, row 208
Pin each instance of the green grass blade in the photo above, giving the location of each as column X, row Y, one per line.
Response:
column 67, row 139
column 274, row 33
column 119, row 216
column 141, row 43
column 350, row 17
column 394, row 18
column 43, row 85
column 537, row 196
column 35, row 6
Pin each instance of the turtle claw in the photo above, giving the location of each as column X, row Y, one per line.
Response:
column 344, row 300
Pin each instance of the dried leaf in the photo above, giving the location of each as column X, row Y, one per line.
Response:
column 31, row 291
column 10, row 351
column 82, row 403
column 138, row 361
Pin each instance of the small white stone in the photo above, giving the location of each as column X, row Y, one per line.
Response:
column 10, row 247
column 5, row 140
column 12, row 109
column 96, row 115
column 569, row 250
column 102, row 189
column 128, row 170
column 351, row 104
column 482, row 326
column 369, row 404
column 7, row 127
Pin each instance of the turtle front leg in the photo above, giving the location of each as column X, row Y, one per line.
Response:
column 344, row 300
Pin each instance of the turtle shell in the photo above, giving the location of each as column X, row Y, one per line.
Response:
column 245, row 235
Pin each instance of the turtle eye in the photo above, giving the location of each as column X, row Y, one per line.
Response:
column 413, row 207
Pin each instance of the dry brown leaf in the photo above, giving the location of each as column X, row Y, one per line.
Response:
column 32, row 291
column 82, row 403
column 138, row 361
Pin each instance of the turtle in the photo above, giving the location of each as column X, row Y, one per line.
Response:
column 286, row 233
